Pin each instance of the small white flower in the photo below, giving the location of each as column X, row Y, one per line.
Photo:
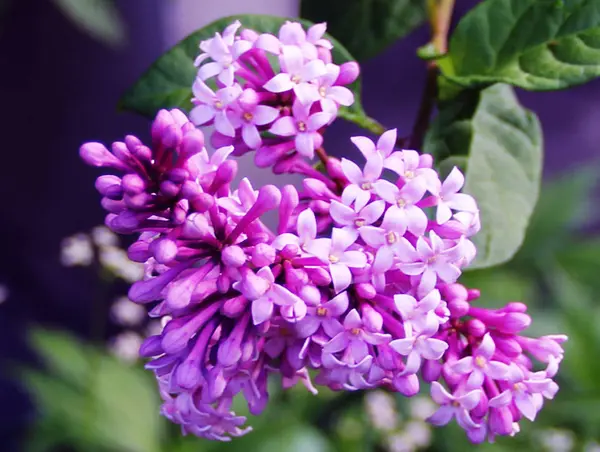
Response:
column 102, row 236
column 126, row 346
column 127, row 313
column 76, row 250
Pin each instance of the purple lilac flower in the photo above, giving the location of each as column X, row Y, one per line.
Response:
column 358, row 280
column 293, row 100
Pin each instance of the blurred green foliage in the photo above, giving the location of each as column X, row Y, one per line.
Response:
column 91, row 401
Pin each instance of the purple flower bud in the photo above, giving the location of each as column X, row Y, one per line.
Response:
column 169, row 189
column 139, row 252
column 233, row 256
column 234, row 307
column 425, row 161
column 454, row 291
column 431, row 370
column 248, row 99
column 112, row 206
column 476, row 328
column 515, row 307
column 501, row 421
column 319, row 276
column 177, row 175
column 289, row 201
column 224, row 175
column 191, row 144
column 171, row 136
column 474, row 294
column 349, row 72
column 96, row 154
column 151, row 289
column 458, row 308
column 162, row 120
column 263, row 255
column 164, row 250
column 366, row 291
column 151, row 347
column 510, row 347
column 133, row 184
column 407, row 385
column 513, row 322
column 188, row 374
column 103, row 183
column 176, row 339
column 290, row 251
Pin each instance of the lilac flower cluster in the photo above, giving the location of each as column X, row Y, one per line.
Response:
column 358, row 281
column 292, row 96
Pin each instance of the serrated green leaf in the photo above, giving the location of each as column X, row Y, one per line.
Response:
column 168, row 82
column 533, row 44
column 365, row 27
column 99, row 18
column 503, row 145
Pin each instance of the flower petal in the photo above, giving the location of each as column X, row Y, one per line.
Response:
column 454, row 182
column 342, row 214
column 263, row 114
column 306, row 93
column 201, row 114
column 364, row 145
column 442, row 416
column 352, row 171
column 340, row 276
column 251, row 136
column 209, row 70
column 280, row 83
column 354, row 259
column 305, row 144
column 307, row 226
column 262, row 310
column 341, row 95
column 284, row 127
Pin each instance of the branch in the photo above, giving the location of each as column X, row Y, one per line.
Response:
column 440, row 14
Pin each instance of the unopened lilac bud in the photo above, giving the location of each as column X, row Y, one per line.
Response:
column 334, row 169
column 151, row 347
column 476, row 328
column 188, row 374
column 249, row 35
column 248, row 99
column 319, row 276
column 366, row 291
column 96, row 154
column 164, row 250
column 205, row 289
column 324, row 55
column 103, row 183
column 513, row 322
column 501, row 420
column 510, row 347
column 458, row 308
column 481, row 408
column 431, row 370
column 191, row 144
column 138, row 202
column 310, row 294
column 477, row 435
column 289, row 201
column 371, row 317
column 169, row 189
column 177, row 175
column 319, row 206
column 223, row 283
column 234, row 307
column 268, row 198
column 132, row 142
column 233, row 256
column 316, row 188
column 226, row 172
column 139, row 252
column 114, row 192
column 515, row 306
column 290, row 251
column 171, row 136
column 295, row 277
column 425, row 161
column 133, row 184
column 126, row 221
column 474, row 294
column 143, row 153
column 197, row 227
column 454, row 291
column 349, row 72
column 407, row 385
column 263, row 255
column 162, row 120
column 151, row 289
column 119, row 149
column 179, row 117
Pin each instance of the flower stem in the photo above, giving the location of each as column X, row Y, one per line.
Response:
column 440, row 14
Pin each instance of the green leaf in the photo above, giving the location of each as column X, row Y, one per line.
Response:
column 99, row 18
column 503, row 145
column 102, row 402
column 581, row 261
column 168, row 82
column 550, row 229
column 533, row 44
column 366, row 27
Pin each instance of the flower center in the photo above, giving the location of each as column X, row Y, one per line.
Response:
column 519, row 387
column 333, row 259
column 321, row 311
column 391, row 238
column 400, row 203
column 366, row 185
column 409, row 174
column 480, row 362
column 301, row 126
column 455, row 404
column 432, row 259
column 359, row 222
column 322, row 91
column 355, row 331
column 218, row 105
column 248, row 116
column 296, row 79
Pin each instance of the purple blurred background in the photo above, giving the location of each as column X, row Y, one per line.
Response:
column 60, row 87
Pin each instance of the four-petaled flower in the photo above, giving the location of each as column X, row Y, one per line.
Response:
column 449, row 199
column 481, row 364
column 355, row 219
column 403, row 209
column 334, row 251
column 361, row 182
column 454, row 406
column 324, row 315
column 213, row 106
